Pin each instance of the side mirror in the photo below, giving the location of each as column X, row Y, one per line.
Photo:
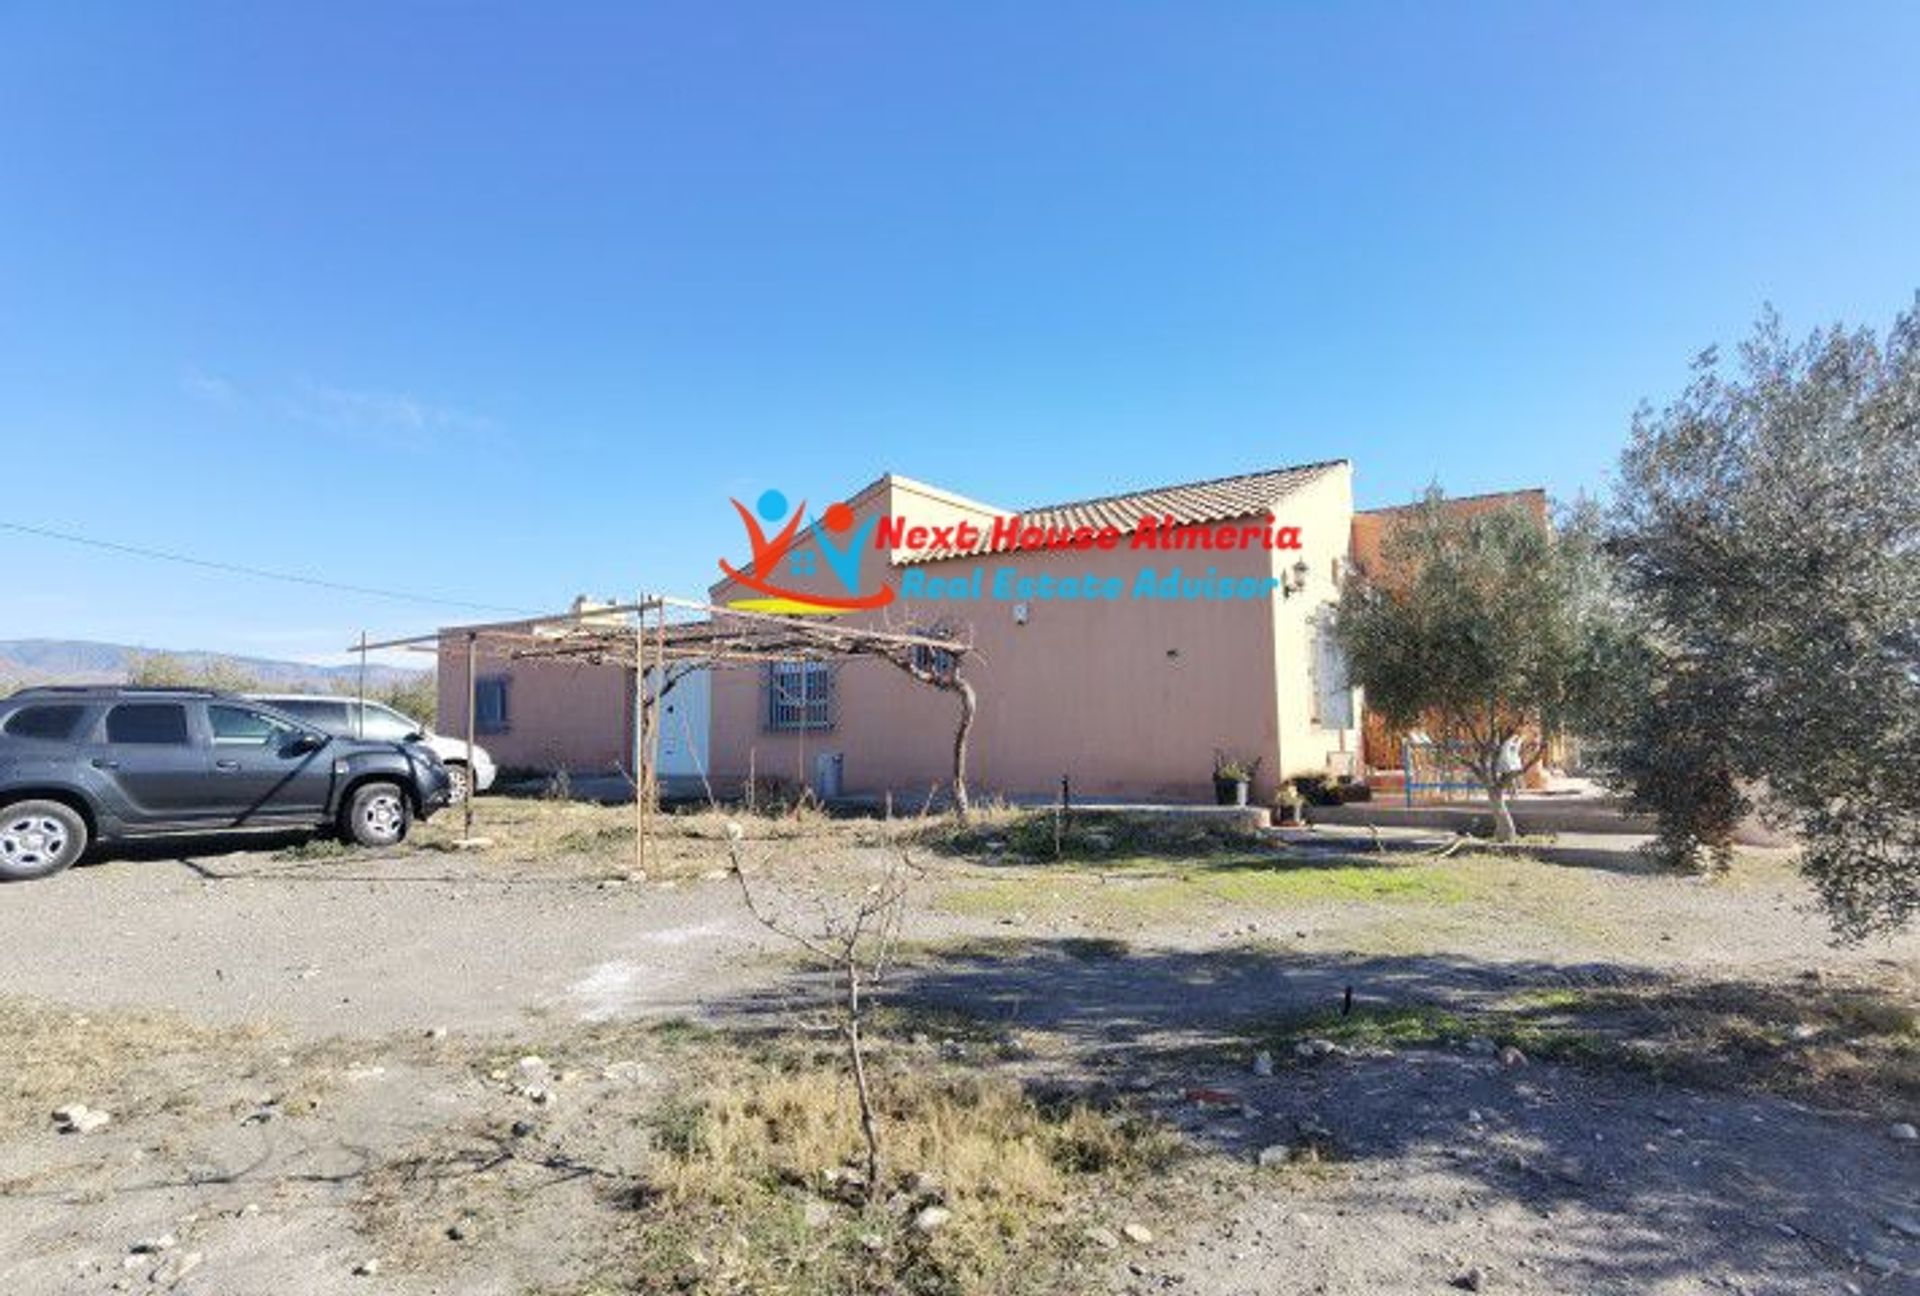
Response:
column 307, row 742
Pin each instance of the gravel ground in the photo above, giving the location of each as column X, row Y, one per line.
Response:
column 370, row 981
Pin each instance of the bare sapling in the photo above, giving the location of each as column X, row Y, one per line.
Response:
column 853, row 939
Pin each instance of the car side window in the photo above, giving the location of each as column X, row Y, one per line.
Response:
column 235, row 726
column 331, row 716
column 150, row 724
column 49, row 722
column 383, row 725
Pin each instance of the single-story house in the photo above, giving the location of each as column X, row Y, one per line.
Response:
column 1121, row 643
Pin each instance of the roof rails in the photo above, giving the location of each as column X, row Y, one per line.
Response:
column 176, row 690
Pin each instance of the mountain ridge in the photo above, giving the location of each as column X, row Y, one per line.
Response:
column 92, row 661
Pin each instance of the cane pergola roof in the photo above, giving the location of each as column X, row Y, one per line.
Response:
column 659, row 629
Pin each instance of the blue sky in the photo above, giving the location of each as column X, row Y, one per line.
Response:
column 301, row 287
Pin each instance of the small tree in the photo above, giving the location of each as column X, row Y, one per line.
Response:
column 853, row 939
column 1768, row 529
column 1477, row 630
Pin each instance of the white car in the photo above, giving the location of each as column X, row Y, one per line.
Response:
column 351, row 718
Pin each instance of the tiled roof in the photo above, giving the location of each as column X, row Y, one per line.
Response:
column 1187, row 503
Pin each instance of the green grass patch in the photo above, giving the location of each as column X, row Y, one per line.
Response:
column 1856, row 1046
column 1090, row 835
column 1144, row 888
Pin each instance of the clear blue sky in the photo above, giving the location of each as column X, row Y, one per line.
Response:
column 301, row 286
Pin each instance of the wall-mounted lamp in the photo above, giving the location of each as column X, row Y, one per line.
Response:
column 1296, row 579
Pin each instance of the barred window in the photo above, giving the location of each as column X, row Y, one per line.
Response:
column 799, row 696
column 937, row 662
column 492, row 710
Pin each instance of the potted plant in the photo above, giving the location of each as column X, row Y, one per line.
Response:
column 1289, row 803
column 1231, row 778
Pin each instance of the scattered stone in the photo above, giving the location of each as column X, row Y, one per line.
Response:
column 455, row 1233
column 1213, row 1097
column 1472, row 1280
column 1272, row 1155
column 539, row 1095
column 1315, row 1048
column 1512, row 1057
column 1903, row 1133
column 1880, row 1263
column 78, row 1118
column 931, row 1219
column 366, row 1269
column 923, row 1184
column 1482, row 1045
column 1104, row 1238
column 1804, row 1031
column 873, row 1242
column 522, row 1128
column 154, row 1245
column 1137, row 1233
column 1263, row 1063
column 436, row 1032
column 175, row 1267
column 632, row 1073
column 816, row 1213
column 1905, row 1225
column 1474, row 1117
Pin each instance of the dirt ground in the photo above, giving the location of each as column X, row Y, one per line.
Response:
column 443, row 1071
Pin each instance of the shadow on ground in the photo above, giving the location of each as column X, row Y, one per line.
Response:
column 1591, row 1168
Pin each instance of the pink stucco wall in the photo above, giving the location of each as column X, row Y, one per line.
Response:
column 561, row 715
column 1127, row 698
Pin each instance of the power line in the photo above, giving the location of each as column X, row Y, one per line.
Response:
column 262, row 573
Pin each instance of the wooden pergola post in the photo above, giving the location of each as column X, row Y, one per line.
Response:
column 473, row 706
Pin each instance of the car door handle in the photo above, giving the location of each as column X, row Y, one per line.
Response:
column 101, row 762
column 226, row 766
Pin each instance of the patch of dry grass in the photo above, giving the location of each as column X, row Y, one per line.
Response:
column 586, row 839
column 125, row 1063
column 135, row 1064
column 733, row 1169
column 752, row 1185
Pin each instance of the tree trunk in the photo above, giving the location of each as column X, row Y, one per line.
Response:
column 869, row 1129
column 1503, row 829
column 960, row 735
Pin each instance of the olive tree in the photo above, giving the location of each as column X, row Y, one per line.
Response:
column 1767, row 529
column 1477, row 630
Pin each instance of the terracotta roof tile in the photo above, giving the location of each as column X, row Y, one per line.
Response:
column 1187, row 503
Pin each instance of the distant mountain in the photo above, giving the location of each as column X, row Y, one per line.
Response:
column 83, row 661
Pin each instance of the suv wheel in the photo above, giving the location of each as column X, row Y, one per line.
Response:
column 39, row 838
column 459, row 784
column 377, row 815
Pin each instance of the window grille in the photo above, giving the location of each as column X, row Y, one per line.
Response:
column 799, row 696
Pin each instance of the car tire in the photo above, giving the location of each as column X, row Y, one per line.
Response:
column 39, row 839
column 459, row 784
column 377, row 814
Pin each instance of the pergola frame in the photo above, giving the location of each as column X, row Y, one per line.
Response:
column 668, row 638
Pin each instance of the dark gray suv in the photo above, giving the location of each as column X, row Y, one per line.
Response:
column 107, row 764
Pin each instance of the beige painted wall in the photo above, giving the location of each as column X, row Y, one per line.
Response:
column 1128, row 698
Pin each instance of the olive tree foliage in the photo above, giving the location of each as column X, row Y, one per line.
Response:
column 1767, row 530
column 1480, row 630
